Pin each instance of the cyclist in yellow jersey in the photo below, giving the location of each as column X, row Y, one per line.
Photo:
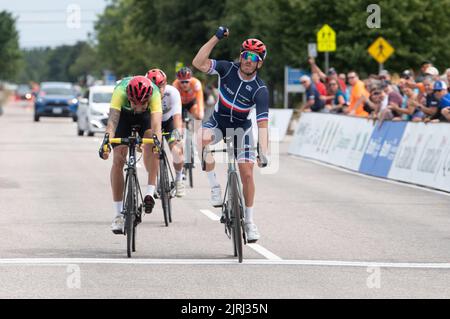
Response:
column 135, row 101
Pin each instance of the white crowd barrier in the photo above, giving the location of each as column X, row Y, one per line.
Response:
column 279, row 120
column 416, row 153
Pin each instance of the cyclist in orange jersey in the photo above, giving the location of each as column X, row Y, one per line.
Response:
column 191, row 92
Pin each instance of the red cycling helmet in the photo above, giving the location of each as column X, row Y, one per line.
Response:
column 184, row 74
column 139, row 90
column 157, row 76
column 255, row 45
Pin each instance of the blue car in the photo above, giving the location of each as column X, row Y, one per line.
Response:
column 56, row 99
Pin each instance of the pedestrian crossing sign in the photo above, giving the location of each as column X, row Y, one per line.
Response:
column 381, row 50
column 326, row 39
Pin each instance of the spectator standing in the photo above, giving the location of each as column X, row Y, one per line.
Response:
column 357, row 92
column 423, row 68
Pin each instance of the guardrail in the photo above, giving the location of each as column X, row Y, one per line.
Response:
column 415, row 153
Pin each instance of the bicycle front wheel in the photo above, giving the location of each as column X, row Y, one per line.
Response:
column 130, row 216
column 236, row 217
column 165, row 190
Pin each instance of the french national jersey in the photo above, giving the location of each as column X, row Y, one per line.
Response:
column 237, row 97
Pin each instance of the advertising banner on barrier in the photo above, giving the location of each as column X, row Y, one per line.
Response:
column 382, row 148
column 338, row 140
column 279, row 120
column 423, row 157
column 416, row 153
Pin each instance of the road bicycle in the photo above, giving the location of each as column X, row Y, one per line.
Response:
column 133, row 199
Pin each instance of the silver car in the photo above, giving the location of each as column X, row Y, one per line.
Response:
column 93, row 110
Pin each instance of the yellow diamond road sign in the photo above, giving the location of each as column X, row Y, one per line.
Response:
column 381, row 50
column 326, row 39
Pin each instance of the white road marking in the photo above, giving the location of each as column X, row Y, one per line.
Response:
column 210, row 215
column 380, row 179
column 231, row 261
column 258, row 248
column 263, row 251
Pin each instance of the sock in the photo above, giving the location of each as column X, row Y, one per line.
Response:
column 179, row 176
column 212, row 179
column 118, row 208
column 150, row 190
column 249, row 215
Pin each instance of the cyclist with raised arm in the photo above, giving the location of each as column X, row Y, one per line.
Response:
column 240, row 90
column 191, row 92
column 136, row 101
column 171, row 123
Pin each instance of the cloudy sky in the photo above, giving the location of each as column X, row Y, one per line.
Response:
column 52, row 22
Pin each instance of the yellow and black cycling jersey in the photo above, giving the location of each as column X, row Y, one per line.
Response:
column 119, row 100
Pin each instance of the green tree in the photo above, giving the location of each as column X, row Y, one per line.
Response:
column 10, row 56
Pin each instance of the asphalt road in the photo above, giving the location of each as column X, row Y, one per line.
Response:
column 326, row 233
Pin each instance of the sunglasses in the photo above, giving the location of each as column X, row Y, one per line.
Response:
column 254, row 57
column 184, row 82
column 333, row 84
column 376, row 93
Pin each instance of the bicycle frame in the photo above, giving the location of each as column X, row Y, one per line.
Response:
column 131, row 164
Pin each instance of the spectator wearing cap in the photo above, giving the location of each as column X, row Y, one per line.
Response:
column 358, row 90
column 442, row 95
column 314, row 103
column 423, row 68
column 433, row 72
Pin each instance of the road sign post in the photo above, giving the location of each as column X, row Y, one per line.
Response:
column 326, row 42
column 381, row 50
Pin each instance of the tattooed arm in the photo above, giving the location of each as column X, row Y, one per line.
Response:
column 113, row 121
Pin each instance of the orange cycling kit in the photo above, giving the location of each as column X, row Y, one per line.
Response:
column 192, row 98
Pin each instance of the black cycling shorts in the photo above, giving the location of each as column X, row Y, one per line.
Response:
column 187, row 108
column 128, row 120
column 168, row 127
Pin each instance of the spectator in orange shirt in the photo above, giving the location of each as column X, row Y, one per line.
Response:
column 358, row 90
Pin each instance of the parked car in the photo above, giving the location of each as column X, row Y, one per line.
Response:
column 56, row 99
column 93, row 110
column 23, row 92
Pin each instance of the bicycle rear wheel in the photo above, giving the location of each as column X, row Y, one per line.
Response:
column 165, row 190
column 236, row 215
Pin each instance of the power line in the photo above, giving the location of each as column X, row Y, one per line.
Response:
column 82, row 21
column 56, row 11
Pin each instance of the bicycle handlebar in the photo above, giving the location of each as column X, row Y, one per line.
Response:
column 126, row 141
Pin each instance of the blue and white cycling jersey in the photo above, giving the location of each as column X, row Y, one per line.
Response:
column 237, row 97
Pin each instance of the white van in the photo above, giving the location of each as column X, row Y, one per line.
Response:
column 93, row 110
